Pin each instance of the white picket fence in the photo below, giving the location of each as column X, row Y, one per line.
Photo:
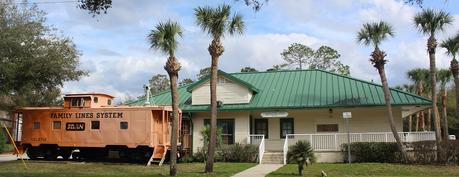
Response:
column 333, row 141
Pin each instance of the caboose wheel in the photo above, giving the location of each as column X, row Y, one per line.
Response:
column 50, row 153
column 66, row 154
column 33, row 153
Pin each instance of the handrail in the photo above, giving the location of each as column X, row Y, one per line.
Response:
column 253, row 139
column 261, row 150
column 285, row 149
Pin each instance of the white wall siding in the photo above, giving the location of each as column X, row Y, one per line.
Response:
column 227, row 91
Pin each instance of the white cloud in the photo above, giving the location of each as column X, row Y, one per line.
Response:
column 116, row 52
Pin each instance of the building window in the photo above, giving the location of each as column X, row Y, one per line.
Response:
column 36, row 125
column 227, row 127
column 56, row 124
column 261, row 127
column 109, row 102
column 95, row 125
column 96, row 99
column 286, row 127
column 123, row 125
column 327, row 128
column 77, row 102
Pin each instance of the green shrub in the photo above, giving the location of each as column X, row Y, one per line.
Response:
column 230, row 153
column 200, row 155
column 424, row 152
column 238, row 153
column 452, row 152
column 301, row 153
column 2, row 141
column 372, row 152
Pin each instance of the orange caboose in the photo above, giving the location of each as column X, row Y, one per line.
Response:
column 88, row 127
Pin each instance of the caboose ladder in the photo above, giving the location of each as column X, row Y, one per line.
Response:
column 159, row 155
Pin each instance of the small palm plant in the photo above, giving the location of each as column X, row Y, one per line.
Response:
column 301, row 153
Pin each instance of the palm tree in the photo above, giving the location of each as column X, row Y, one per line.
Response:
column 216, row 22
column 301, row 153
column 419, row 76
column 429, row 22
column 452, row 48
column 374, row 34
column 444, row 76
column 163, row 38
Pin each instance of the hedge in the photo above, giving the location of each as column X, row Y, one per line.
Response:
column 382, row 152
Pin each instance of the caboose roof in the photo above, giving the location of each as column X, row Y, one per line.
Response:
column 88, row 95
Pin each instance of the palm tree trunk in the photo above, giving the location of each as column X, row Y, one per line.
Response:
column 431, row 46
column 429, row 120
column 410, row 123
column 421, row 121
column 172, row 67
column 387, row 99
column 175, row 118
column 445, row 115
column 418, row 117
column 215, row 50
column 454, row 67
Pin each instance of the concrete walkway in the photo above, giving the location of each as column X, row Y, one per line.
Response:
column 7, row 157
column 259, row 170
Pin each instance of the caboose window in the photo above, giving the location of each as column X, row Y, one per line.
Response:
column 123, row 125
column 56, row 124
column 77, row 102
column 36, row 125
column 96, row 99
column 95, row 125
column 109, row 102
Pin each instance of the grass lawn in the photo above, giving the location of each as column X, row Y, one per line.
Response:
column 369, row 170
column 66, row 168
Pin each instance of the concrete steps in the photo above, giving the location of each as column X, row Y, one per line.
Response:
column 273, row 158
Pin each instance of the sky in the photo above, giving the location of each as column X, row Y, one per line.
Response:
column 115, row 50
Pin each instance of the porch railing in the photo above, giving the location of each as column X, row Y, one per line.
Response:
column 333, row 141
column 260, row 141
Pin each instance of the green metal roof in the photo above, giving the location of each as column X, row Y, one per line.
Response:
column 297, row 89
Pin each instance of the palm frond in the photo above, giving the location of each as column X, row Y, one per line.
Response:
column 429, row 21
column 443, row 76
column 451, row 45
column 216, row 21
column 374, row 33
column 163, row 37
column 236, row 25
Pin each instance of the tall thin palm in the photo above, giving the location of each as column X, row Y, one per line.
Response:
column 372, row 34
column 452, row 48
column 163, row 38
column 444, row 77
column 216, row 22
column 429, row 22
column 420, row 78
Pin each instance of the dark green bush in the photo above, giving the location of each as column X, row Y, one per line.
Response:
column 372, row 152
column 424, row 152
column 230, row 153
column 200, row 155
column 2, row 141
column 238, row 153
column 452, row 152
column 301, row 153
